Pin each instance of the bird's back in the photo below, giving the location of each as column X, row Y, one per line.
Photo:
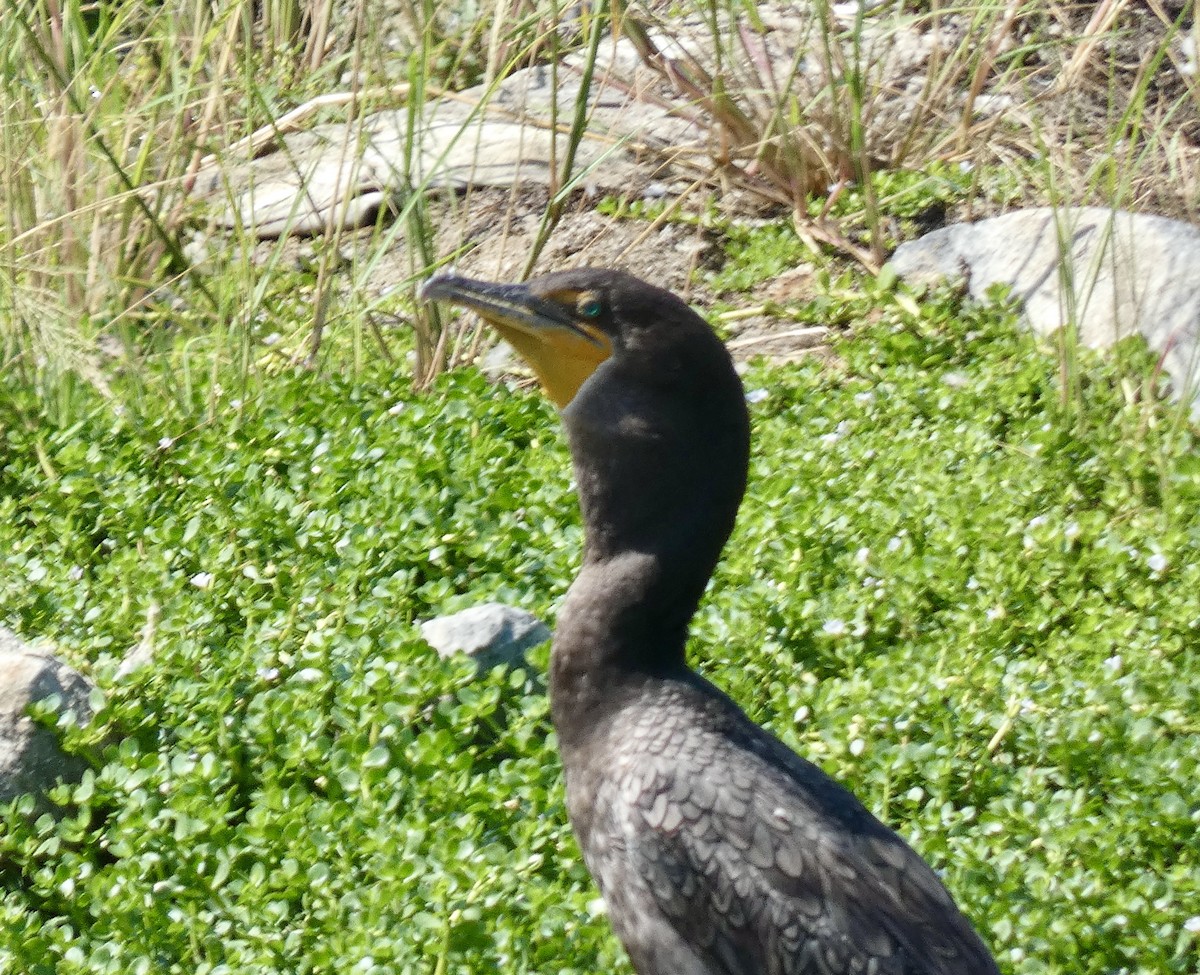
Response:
column 719, row 851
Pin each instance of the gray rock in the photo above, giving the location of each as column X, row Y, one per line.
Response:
column 492, row 633
column 31, row 760
column 1110, row 273
column 339, row 175
column 642, row 132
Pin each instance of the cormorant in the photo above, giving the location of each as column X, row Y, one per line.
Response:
column 718, row 850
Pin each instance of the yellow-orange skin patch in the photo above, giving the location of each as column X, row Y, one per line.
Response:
column 561, row 360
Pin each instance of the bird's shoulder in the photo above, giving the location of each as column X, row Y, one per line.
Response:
column 749, row 849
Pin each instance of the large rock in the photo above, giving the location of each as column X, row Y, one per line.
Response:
column 491, row 633
column 1109, row 273
column 338, row 175
column 31, row 760
column 644, row 133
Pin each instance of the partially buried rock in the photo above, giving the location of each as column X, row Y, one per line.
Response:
column 31, row 760
column 1109, row 273
column 492, row 633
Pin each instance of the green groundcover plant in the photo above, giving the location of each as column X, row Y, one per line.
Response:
column 970, row 596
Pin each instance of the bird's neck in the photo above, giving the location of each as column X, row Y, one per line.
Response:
column 658, row 505
column 625, row 611
column 618, row 631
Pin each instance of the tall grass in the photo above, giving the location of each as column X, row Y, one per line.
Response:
column 106, row 113
column 109, row 111
column 108, row 116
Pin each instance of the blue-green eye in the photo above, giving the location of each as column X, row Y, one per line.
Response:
column 591, row 307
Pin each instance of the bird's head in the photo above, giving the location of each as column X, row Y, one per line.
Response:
column 567, row 324
column 654, row 411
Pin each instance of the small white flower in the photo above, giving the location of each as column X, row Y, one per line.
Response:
column 1037, row 521
column 802, row 714
column 915, row 794
column 829, row 439
column 37, row 572
column 1114, row 663
column 894, row 544
column 756, row 395
column 862, row 555
column 857, row 747
column 972, row 584
column 1192, row 924
column 309, row 675
column 834, row 627
column 202, row 580
column 995, row 613
column 862, row 399
column 1071, row 530
column 272, row 339
column 268, row 673
column 397, row 408
column 1157, row 562
column 75, row 573
column 236, row 404
column 321, row 449
column 166, row 443
column 1095, row 737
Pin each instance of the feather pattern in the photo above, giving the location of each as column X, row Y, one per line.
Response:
column 721, row 852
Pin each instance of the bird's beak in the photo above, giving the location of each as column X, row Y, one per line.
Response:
column 562, row 351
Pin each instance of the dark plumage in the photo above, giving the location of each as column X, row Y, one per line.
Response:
column 717, row 849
